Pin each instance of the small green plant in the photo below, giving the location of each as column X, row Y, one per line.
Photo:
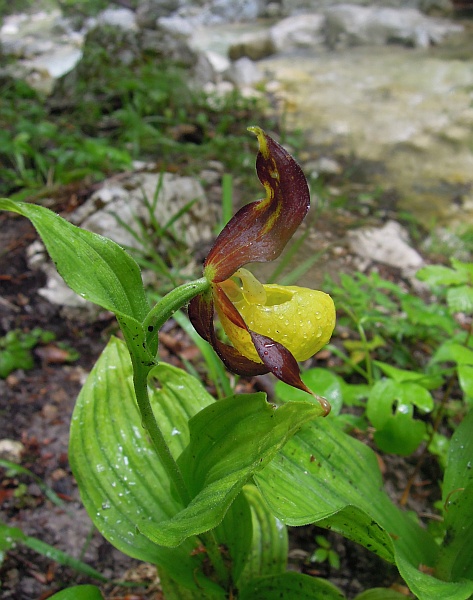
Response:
column 16, row 349
column 325, row 553
column 398, row 339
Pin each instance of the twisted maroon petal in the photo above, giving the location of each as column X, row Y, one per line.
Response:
column 260, row 230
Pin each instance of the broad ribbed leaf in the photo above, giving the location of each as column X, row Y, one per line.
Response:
column 79, row 592
column 235, row 534
column 230, row 441
column 459, row 470
column 173, row 590
column 455, row 559
column 380, row 594
column 120, row 478
column 270, row 541
column 426, row 587
column 324, row 475
column 290, row 586
column 93, row 266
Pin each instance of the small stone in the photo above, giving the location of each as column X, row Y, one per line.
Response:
column 49, row 412
column 58, row 474
column 11, row 450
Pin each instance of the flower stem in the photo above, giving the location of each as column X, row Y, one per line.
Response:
column 175, row 299
column 157, row 316
column 155, row 319
column 140, row 382
column 216, row 558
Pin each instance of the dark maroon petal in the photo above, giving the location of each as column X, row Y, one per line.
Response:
column 282, row 364
column 260, row 230
column 201, row 312
column 236, row 362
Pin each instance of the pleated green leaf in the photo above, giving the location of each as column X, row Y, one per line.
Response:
column 235, row 534
column 380, row 594
column 269, row 546
column 324, row 476
column 173, row 590
column 455, row 559
column 120, row 478
column 94, row 267
column 230, row 440
column 79, row 592
column 427, row 587
column 290, row 586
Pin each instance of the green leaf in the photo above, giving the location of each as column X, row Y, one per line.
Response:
column 290, row 586
column 173, row 590
column 9, row 536
column 465, row 379
column 390, row 408
column 79, row 592
column 388, row 395
column 430, row 382
column 440, row 275
column 120, row 478
column 93, row 266
column 426, row 587
column 324, row 475
column 321, row 381
column 320, row 555
column 269, row 545
column 235, row 534
column 380, row 594
column 230, row 441
column 453, row 352
column 466, row 268
column 454, row 561
column 460, row 299
column 400, row 434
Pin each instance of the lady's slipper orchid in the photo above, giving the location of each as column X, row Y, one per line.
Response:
column 270, row 326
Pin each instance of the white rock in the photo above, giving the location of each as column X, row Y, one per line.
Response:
column 122, row 207
column 219, row 63
column 116, row 211
column 243, row 73
column 175, row 25
column 11, row 450
column 299, row 31
column 350, row 25
column 118, row 17
column 387, row 245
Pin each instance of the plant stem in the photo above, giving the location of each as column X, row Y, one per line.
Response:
column 157, row 316
column 140, row 382
column 215, row 556
column 175, row 299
